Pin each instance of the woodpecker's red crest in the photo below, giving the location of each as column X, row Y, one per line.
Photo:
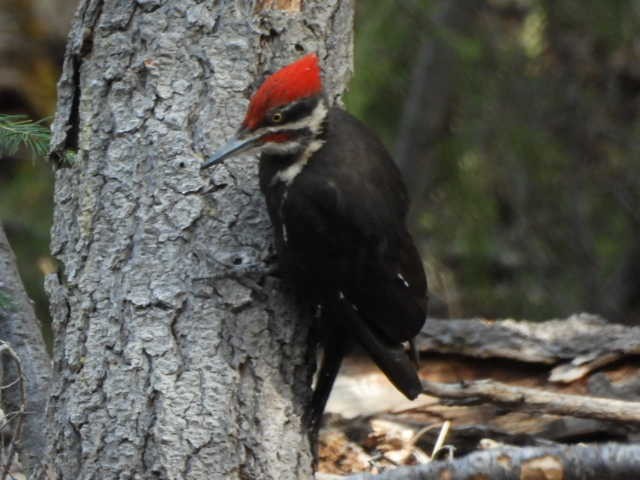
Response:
column 297, row 80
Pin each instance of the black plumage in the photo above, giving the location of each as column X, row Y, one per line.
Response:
column 342, row 239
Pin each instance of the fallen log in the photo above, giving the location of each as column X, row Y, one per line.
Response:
column 575, row 346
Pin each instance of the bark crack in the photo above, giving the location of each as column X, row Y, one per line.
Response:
column 177, row 338
column 85, row 28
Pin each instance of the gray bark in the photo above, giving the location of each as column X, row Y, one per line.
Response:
column 20, row 328
column 177, row 355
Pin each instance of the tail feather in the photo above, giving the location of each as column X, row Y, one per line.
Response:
column 391, row 359
column 333, row 352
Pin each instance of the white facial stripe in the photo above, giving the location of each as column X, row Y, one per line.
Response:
column 313, row 122
column 275, row 148
column 287, row 175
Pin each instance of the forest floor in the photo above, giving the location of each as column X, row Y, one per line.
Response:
column 371, row 427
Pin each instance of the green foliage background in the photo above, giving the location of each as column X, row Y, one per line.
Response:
column 532, row 208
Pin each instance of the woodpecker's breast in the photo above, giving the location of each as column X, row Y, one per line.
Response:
column 277, row 174
column 276, row 196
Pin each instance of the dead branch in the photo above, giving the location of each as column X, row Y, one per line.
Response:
column 17, row 417
column 589, row 462
column 534, row 399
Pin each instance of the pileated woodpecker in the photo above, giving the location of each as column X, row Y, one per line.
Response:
column 338, row 206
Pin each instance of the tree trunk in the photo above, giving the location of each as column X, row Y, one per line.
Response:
column 176, row 354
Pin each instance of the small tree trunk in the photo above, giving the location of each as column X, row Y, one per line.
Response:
column 429, row 102
column 176, row 355
column 20, row 328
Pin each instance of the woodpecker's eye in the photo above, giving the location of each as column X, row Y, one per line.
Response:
column 276, row 117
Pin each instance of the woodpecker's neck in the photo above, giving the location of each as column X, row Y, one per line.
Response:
column 306, row 135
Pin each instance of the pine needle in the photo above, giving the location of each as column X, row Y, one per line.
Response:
column 18, row 131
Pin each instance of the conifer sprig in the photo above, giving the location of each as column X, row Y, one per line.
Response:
column 18, row 131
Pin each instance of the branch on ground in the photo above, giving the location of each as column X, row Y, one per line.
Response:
column 590, row 462
column 488, row 391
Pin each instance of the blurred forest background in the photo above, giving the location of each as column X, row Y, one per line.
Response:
column 515, row 122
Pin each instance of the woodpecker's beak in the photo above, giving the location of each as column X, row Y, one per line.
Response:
column 238, row 144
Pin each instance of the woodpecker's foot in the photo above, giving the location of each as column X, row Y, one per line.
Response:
column 257, row 289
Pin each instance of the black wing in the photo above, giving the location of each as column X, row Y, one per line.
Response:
column 347, row 233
